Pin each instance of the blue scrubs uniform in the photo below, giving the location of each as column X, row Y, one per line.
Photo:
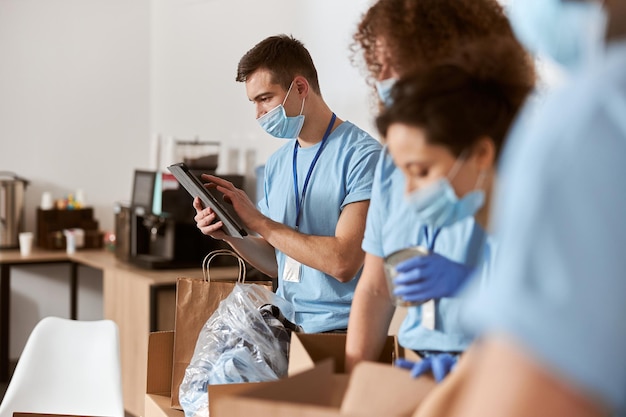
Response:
column 393, row 225
column 342, row 175
column 561, row 269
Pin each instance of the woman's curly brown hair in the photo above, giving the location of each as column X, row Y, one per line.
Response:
column 475, row 93
column 418, row 32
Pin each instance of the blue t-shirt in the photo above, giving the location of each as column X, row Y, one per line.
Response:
column 393, row 225
column 343, row 175
column 561, row 269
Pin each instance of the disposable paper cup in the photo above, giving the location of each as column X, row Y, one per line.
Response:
column 390, row 263
column 70, row 241
column 46, row 201
column 26, row 243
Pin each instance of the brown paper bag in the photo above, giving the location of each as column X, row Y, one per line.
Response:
column 196, row 300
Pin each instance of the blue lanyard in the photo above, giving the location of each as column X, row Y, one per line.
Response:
column 431, row 242
column 308, row 175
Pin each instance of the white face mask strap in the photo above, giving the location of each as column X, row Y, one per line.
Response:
column 302, row 108
column 457, row 165
column 288, row 91
column 481, row 179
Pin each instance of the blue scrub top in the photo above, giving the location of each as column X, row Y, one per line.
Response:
column 561, row 269
column 342, row 175
column 393, row 225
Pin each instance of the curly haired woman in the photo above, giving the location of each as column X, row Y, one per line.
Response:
column 394, row 39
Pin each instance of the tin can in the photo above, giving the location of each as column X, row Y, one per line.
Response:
column 390, row 263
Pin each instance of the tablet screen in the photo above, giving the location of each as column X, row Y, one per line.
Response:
column 233, row 226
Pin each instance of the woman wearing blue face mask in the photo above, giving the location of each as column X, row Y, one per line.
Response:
column 397, row 37
column 444, row 130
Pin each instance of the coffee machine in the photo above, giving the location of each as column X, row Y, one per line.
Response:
column 156, row 230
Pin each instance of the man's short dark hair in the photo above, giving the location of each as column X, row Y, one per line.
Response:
column 284, row 57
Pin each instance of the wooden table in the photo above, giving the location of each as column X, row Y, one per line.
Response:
column 138, row 300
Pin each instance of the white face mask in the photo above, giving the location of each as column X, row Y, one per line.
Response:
column 569, row 32
column 437, row 204
column 278, row 124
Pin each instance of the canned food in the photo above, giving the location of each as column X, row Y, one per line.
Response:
column 390, row 263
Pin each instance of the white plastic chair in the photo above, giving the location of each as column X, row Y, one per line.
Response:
column 68, row 367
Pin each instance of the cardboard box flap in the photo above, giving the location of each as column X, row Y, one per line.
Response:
column 306, row 349
column 159, row 406
column 383, row 390
column 222, row 390
column 159, row 377
column 371, row 390
column 315, row 386
column 316, row 392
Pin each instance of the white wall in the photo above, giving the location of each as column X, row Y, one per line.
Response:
column 86, row 85
column 74, row 97
column 196, row 48
column 74, row 113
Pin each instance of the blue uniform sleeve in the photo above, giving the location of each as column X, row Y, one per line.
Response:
column 262, row 205
column 361, row 173
column 372, row 241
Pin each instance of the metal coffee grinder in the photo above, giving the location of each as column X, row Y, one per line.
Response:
column 12, row 196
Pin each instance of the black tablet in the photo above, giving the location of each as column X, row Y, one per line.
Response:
column 210, row 197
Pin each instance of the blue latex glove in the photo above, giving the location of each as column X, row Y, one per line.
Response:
column 440, row 364
column 433, row 276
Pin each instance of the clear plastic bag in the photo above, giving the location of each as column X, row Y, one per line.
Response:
column 245, row 340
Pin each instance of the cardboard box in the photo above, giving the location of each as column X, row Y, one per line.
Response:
column 308, row 352
column 372, row 390
column 159, row 379
column 307, row 349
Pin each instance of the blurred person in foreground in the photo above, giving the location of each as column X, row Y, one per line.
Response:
column 553, row 332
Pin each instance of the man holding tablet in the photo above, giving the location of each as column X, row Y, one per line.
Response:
column 311, row 219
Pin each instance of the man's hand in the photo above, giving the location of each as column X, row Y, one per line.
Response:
column 207, row 221
column 246, row 209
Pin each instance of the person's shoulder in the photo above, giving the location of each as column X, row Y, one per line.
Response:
column 277, row 160
column 385, row 161
column 602, row 79
column 350, row 131
column 386, row 168
column 611, row 68
column 285, row 149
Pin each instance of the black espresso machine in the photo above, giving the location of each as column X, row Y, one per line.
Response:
column 156, row 229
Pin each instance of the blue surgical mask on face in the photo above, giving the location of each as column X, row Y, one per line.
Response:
column 384, row 90
column 278, row 124
column 569, row 32
column 437, row 204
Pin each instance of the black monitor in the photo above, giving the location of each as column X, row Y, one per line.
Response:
column 143, row 189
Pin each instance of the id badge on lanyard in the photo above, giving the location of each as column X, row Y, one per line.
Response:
column 428, row 315
column 293, row 269
column 429, row 307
